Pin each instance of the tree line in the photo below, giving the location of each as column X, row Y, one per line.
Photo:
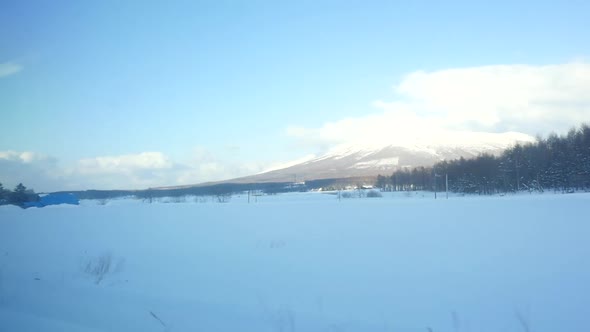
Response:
column 558, row 163
column 19, row 196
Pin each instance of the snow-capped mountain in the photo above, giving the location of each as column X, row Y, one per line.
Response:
column 369, row 159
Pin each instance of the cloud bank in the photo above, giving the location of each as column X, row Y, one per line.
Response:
column 430, row 106
column 132, row 171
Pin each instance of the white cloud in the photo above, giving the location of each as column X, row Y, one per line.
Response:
column 154, row 169
column 125, row 163
column 512, row 97
column 430, row 106
column 132, row 171
column 35, row 170
column 26, row 157
column 9, row 68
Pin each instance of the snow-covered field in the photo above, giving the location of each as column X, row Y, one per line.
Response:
column 300, row 262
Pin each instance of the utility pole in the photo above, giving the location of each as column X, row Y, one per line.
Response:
column 435, row 187
column 517, row 175
column 447, row 184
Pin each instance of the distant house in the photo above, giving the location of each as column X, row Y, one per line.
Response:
column 295, row 186
column 54, row 199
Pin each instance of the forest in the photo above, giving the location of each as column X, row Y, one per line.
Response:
column 559, row 163
column 19, row 196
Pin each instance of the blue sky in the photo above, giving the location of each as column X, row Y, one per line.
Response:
column 219, row 89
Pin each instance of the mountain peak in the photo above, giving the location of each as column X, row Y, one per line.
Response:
column 364, row 158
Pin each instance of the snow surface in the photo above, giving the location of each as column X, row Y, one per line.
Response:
column 386, row 162
column 300, row 262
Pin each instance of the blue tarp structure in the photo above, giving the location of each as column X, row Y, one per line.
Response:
column 54, row 199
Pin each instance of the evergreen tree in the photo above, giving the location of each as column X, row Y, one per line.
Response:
column 21, row 195
column 3, row 194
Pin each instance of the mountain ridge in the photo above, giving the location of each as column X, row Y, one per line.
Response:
column 370, row 159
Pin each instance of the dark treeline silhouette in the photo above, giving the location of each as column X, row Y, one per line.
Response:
column 221, row 189
column 558, row 162
column 19, row 196
column 419, row 178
